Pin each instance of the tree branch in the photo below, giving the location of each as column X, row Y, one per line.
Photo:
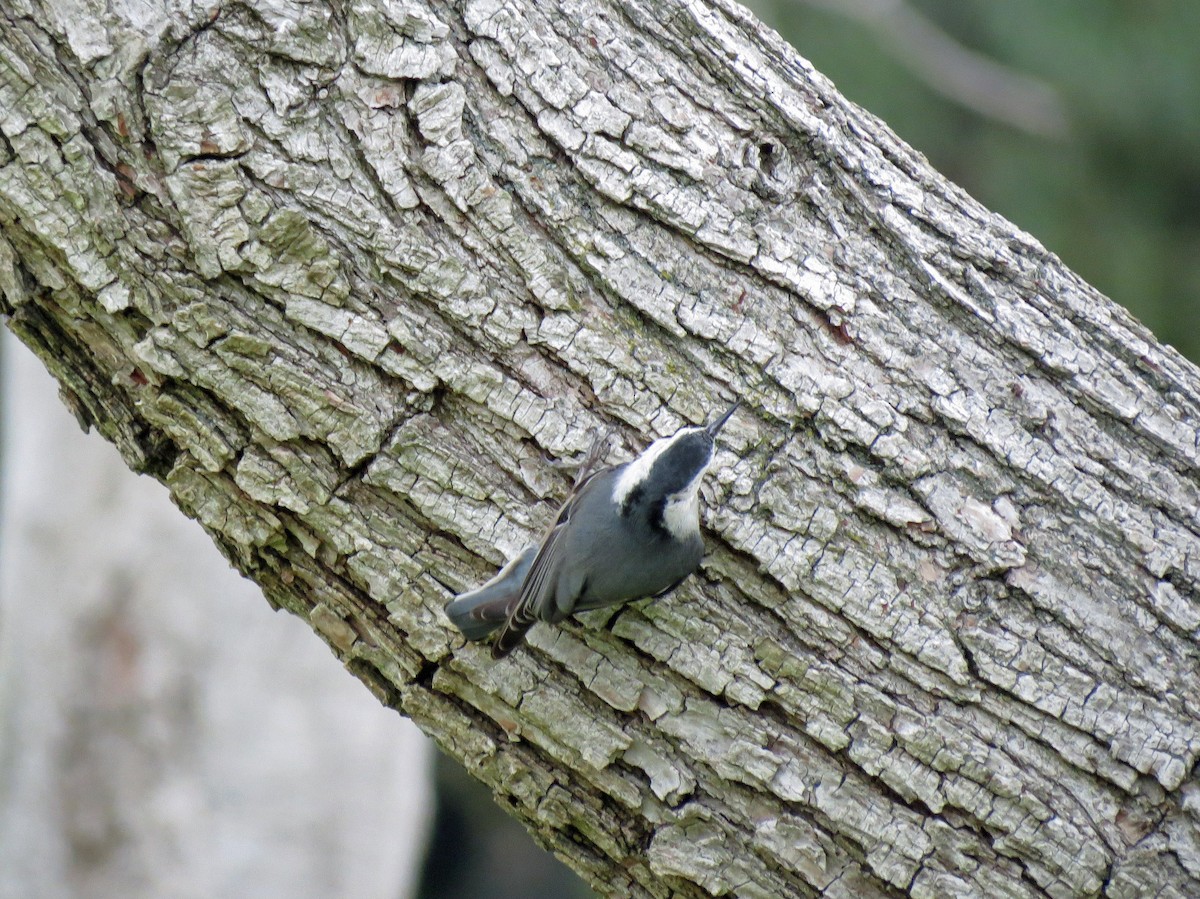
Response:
column 342, row 277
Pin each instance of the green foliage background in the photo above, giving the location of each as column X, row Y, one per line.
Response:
column 1118, row 196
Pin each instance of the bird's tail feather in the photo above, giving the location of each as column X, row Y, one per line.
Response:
column 479, row 612
column 511, row 636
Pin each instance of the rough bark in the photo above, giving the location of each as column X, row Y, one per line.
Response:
column 343, row 276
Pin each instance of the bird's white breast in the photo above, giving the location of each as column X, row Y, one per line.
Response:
column 681, row 515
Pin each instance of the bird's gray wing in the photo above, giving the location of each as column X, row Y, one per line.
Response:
column 543, row 595
column 537, row 590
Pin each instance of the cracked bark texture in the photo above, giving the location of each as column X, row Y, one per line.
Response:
column 344, row 276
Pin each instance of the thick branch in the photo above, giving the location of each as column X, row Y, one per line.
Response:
column 342, row 278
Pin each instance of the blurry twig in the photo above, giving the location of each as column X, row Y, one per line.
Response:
column 957, row 72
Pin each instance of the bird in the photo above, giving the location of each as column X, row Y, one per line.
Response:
column 625, row 532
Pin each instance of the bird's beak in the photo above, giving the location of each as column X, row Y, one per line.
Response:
column 716, row 426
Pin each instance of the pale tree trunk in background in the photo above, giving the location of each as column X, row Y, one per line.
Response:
column 341, row 277
column 162, row 732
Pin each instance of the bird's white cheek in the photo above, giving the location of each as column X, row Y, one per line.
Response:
column 682, row 515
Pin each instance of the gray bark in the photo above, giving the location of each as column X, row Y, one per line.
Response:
column 342, row 277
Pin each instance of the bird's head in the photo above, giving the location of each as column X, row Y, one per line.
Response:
column 669, row 471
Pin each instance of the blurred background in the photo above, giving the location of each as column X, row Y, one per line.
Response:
column 162, row 732
column 1078, row 120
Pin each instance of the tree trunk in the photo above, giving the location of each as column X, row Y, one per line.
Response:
column 342, row 277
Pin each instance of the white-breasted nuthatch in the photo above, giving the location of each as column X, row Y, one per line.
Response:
column 626, row 532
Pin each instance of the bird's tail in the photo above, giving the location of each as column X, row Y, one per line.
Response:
column 511, row 635
column 479, row 612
